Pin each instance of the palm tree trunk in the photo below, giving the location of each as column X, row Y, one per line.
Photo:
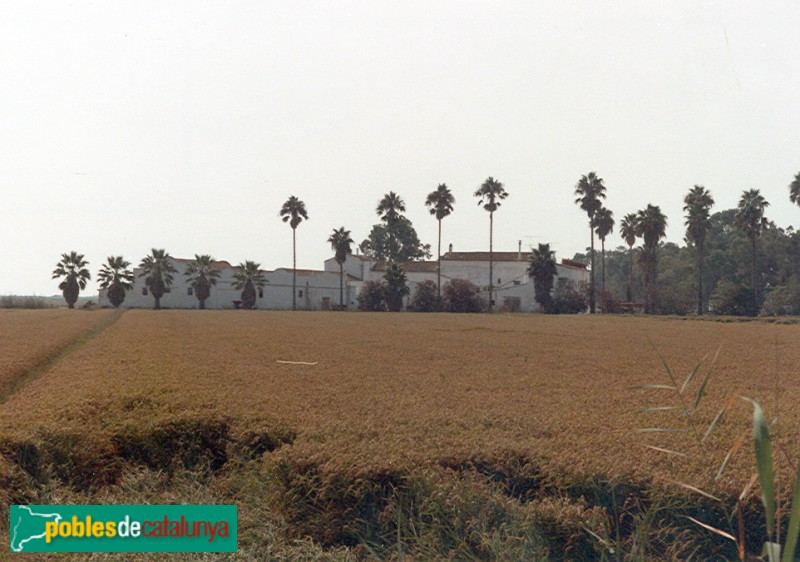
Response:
column 603, row 279
column 629, row 294
column 439, row 263
column 700, row 279
column 753, row 277
column 158, row 303
column 294, row 269
column 341, row 285
column 491, row 259
column 591, row 271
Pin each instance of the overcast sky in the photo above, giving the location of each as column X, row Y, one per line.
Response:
column 185, row 125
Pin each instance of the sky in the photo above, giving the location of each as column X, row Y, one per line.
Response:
column 185, row 125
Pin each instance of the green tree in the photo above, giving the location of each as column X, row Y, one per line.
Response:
column 750, row 218
column 462, row 295
column 697, row 206
column 440, row 204
column 590, row 190
column 542, row 269
column 294, row 212
column 627, row 229
column 489, row 195
column 426, row 297
column 157, row 271
column 202, row 276
column 794, row 189
column 116, row 277
column 603, row 225
column 399, row 244
column 651, row 225
column 396, row 287
column 247, row 278
column 390, row 210
column 72, row 267
column 341, row 244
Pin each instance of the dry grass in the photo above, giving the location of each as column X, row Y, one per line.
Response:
column 549, row 399
column 29, row 338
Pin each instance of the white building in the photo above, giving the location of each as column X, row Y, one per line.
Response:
column 513, row 288
column 316, row 290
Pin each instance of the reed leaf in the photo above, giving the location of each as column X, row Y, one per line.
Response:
column 794, row 522
column 712, row 529
column 692, row 374
column 764, row 463
column 659, row 409
column 654, row 386
column 736, row 445
column 668, row 451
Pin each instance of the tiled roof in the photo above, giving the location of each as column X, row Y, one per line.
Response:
column 573, row 263
column 484, row 256
column 410, row 267
column 218, row 265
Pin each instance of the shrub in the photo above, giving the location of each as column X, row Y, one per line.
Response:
column 609, row 304
column 782, row 300
column 569, row 298
column 426, row 298
column 461, row 295
column 731, row 299
column 371, row 297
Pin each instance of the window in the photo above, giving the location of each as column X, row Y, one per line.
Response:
column 190, row 291
column 300, row 293
column 144, row 291
column 261, row 293
column 168, row 290
column 499, row 282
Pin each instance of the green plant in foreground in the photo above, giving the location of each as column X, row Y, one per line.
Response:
column 765, row 474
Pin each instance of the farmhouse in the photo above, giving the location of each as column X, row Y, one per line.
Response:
column 513, row 288
column 316, row 290
column 319, row 289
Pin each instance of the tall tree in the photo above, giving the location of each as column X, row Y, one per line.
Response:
column 72, row 267
column 590, row 191
column 247, row 278
column 294, row 212
column 157, row 271
column 116, row 277
column 440, row 204
column 399, row 244
column 651, row 225
column 697, row 206
column 489, row 195
column 750, row 218
column 390, row 210
column 794, row 189
column 603, row 225
column 202, row 276
column 341, row 244
column 627, row 229
column 542, row 268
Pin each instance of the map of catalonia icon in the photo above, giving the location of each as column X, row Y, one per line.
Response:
column 27, row 526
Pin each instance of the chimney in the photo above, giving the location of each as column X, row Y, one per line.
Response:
column 519, row 251
column 451, row 248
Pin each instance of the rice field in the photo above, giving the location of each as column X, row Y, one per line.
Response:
column 345, row 409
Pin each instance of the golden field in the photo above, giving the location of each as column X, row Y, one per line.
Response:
column 530, row 401
column 30, row 337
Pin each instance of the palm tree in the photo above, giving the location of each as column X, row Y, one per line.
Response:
column 157, row 271
column 116, row 278
column 697, row 206
column 750, row 218
column 794, row 189
column 73, row 268
column 293, row 212
column 590, row 190
column 651, row 225
column 396, row 287
column 604, row 225
column 440, row 203
column 246, row 279
column 489, row 194
column 389, row 209
column 341, row 242
column 202, row 275
column 627, row 229
column 542, row 268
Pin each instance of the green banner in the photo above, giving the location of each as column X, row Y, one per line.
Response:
column 123, row 528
